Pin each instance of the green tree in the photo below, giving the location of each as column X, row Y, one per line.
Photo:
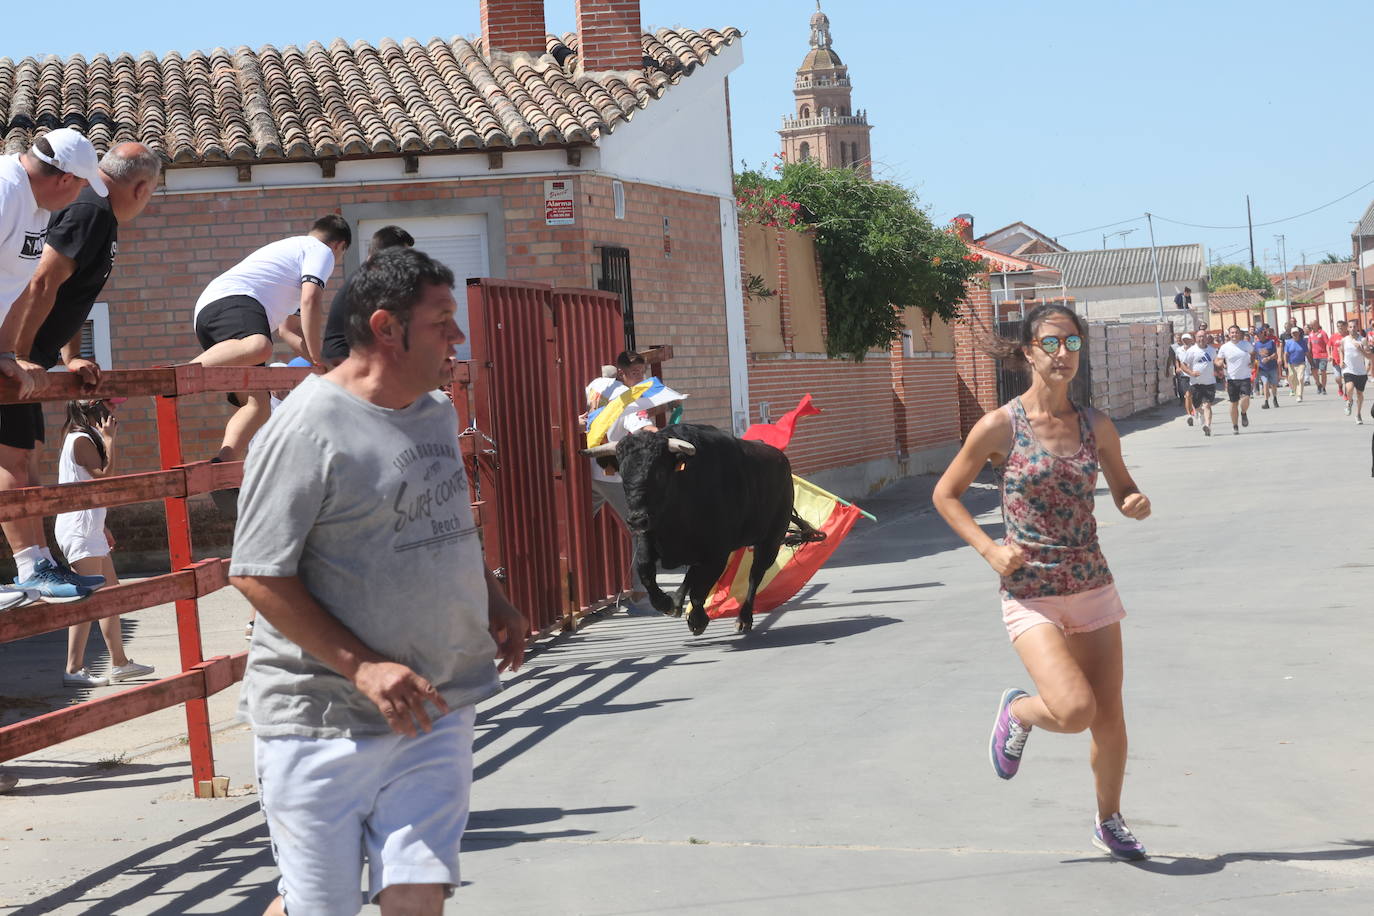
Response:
column 1240, row 275
column 1333, row 258
column 879, row 250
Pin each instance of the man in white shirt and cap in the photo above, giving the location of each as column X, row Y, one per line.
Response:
column 32, row 185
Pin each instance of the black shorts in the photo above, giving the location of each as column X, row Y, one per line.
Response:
column 21, row 425
column 1204, row 394
column 1181, row 385
column 1356, row 380
column 231, row 318
column 1236, row 388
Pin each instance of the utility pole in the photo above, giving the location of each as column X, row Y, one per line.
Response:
column 1154, row 262
column 1250, row 224
column 1283, row 266
column 1359, row 269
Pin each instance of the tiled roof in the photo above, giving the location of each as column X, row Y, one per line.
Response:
column 1323, row 274
column 999, row 262
column 1240, row 299
column 339, row 101
column 1126, row 266
column 1366, row 224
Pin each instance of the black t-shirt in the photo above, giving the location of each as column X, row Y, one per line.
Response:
column 335, row 343
column 88, row 233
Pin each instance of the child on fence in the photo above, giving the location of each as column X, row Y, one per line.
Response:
column 87, row 453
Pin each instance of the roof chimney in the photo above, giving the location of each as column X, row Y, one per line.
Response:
column 965, row 223
column 514, row 25
column 608, row 35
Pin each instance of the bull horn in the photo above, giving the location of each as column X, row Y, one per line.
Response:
column 679, row 446
column 605, row 450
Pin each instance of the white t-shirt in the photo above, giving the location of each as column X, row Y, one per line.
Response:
column 1199, row 359
column 273, row 275
column 23, row 227
column 1352, row 360
column 1237, row 356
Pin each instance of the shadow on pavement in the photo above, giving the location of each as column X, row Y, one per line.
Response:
column 493, row 829
column 223, row 861
column 1192, row 866
column 31, row 672
column 897, row 588
column 71, row 778
column 823, row 632
column 918, row 534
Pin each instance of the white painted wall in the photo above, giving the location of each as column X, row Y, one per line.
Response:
column 736, row 341
column 1112, row 301
column 681, row 140
column 373, row 172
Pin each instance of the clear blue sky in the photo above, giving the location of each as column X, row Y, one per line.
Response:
column 1066, row 115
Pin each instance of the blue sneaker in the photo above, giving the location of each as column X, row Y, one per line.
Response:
column 1008, row 736
column 53, row 583
column 1114, row 837
column 74, row 577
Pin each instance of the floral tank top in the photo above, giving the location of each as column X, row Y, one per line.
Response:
column 1047, row 507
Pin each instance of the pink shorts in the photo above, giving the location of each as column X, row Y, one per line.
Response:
column 1079, row 613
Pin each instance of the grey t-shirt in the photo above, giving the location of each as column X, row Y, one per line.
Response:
column 370, row 508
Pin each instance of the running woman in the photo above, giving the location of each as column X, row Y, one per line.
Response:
column 1047, row 452
column 88, row 453
column 1238, row 358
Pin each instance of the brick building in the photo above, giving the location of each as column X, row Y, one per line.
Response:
column 600, row 158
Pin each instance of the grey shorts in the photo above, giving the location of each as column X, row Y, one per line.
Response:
column 402, row 802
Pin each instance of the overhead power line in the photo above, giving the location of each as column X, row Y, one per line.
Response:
column 1272, row 222
column 1179, row 222
column 1064, row 235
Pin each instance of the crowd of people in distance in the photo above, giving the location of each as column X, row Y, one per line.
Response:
column 1259, row 361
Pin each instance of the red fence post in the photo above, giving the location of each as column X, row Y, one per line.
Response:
column 187, row 610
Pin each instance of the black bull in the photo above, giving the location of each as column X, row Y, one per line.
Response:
column 695, row 495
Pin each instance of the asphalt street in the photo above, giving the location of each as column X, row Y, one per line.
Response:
column 836, row 759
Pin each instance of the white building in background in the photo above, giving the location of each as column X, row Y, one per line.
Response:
column 1120, row 282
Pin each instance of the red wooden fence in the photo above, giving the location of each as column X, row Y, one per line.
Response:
column 534, row 350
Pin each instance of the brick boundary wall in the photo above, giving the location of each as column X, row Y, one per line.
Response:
column 886, row 417
column 977, row 382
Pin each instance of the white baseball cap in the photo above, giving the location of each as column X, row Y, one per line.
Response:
column 73, row 153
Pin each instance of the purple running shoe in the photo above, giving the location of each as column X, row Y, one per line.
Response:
column 1008, row 736
column 1112, row 836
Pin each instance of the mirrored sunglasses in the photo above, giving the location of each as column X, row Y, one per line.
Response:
column 1073, row 343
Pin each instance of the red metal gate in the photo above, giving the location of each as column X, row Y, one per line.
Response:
column 589, row 333
column 535, row 348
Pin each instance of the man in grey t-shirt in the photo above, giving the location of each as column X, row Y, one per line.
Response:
column 356, row 545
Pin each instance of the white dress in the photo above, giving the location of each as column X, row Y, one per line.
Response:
column 79, row 534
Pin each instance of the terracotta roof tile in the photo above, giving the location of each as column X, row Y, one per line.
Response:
column 335, row 101
column 1235, row 300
